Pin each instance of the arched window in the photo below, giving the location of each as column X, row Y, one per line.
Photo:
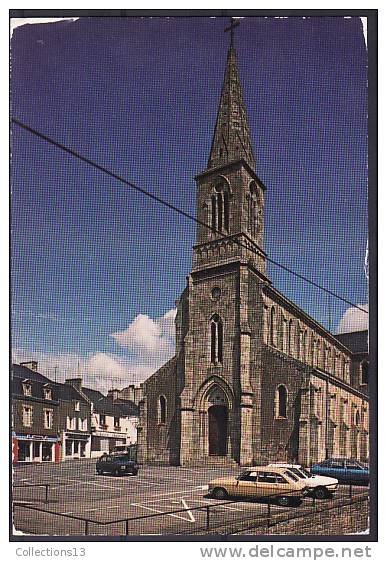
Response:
column 220, row 211
column 162, row 410
column 216, row 339
column 272, row 326
column 290, row 336
column 314, row 351
column 253, row 199
column 281, row 402
column 364, row 373
column 301, row 346
column 284, row 336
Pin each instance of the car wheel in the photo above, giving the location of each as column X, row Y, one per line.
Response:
column 284, row 501
column 135, row 472
column 219, row 493
column 99, row 472
column 321, row 493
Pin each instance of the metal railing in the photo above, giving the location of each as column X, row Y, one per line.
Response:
column 267, row 518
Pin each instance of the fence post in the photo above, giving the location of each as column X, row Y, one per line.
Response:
column 127, row 527
column 86, row 527
column 46, row 486
column 350, row 490
column 207, row 518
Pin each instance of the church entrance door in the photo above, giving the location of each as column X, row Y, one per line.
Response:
column 217, row 430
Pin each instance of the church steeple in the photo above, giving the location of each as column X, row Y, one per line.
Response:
column 231, row 139
column 230, row 198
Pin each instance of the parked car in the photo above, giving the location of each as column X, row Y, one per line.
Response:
column 259, row 482
column 344, row 469
column 116, row 464
column 320, row 486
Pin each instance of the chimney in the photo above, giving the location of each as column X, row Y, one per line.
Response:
column 114, row 394
column 31, row 364
column 74, row 382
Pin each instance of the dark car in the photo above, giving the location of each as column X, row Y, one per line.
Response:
column 344, row 469
column 116, row 464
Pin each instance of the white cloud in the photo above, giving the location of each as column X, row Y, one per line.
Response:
column 150, row 342
column 154, row 336
column 100, row 371
column 354, row 320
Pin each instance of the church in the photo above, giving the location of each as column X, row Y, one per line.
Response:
column 254, row 378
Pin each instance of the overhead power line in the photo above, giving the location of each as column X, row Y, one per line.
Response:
column 173, row 207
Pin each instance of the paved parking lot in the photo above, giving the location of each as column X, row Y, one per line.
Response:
column 76, row 490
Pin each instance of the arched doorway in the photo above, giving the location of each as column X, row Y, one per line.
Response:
column 217, row 430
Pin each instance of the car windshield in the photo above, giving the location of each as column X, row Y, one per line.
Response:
column 242, row 475
column 291, row 475
column 299, row 473
column 121, row 459
column 304, row 471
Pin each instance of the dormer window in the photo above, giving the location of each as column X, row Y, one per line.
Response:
column 27, row 388
column 47, row 393
column 77, row 406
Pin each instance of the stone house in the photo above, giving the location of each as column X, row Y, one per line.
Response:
column 35, row 415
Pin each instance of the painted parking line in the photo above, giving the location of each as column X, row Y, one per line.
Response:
column 217, row 505
column 91, row 483
column 191, row 519
column 182, row 491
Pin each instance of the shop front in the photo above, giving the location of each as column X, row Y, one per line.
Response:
column 76, row 445
column 35, row 448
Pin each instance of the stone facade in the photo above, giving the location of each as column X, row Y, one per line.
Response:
column 254, row 378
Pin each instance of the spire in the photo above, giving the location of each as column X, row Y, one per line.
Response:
column 231, row 139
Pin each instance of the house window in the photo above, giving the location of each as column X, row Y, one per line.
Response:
column 77, row 406
column 162, row 410
column 281, row 402
column 71, row 423
column 27, row 389
column 83, row 424
column 216, row 339
column 364, row 373
column 116, row 422
column 102, row 420
column 48, row 418
column 47, row 393
column 27, row 415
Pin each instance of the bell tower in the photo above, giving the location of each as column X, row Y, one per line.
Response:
column 230, row 196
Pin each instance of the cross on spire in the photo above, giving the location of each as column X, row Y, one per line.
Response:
column 231, row 140
column 233, row 24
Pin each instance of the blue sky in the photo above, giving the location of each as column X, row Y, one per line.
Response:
column 97, row 267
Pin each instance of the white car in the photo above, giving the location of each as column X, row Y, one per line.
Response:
column 320, row 486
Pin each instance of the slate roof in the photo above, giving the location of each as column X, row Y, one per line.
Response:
column 66, row 392
column 355, row 341
column 63, row 392
column 108, row 406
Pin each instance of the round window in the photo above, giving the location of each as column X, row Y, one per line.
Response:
column 215, row 293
